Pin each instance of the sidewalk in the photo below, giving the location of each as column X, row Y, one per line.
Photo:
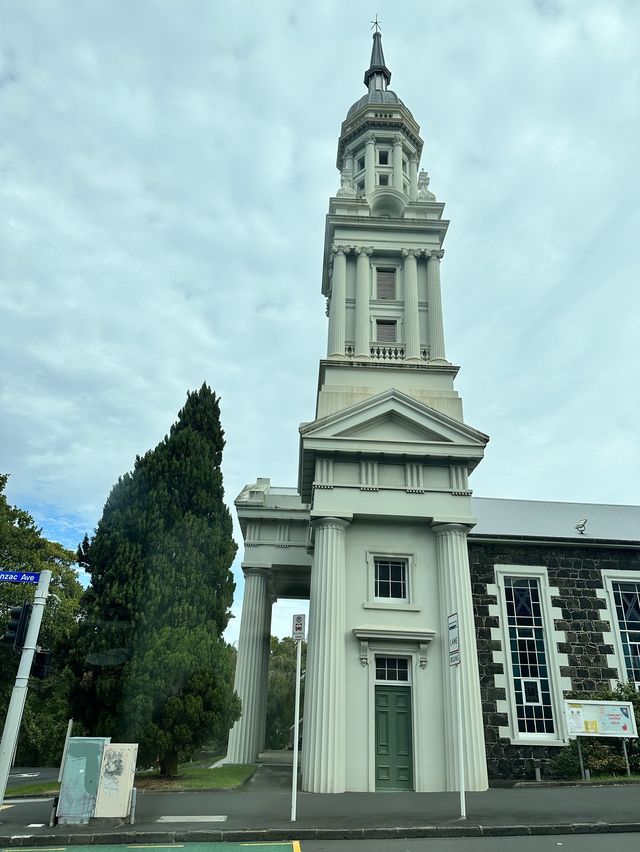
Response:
column 260, row 811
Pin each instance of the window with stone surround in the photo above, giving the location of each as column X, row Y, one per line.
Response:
column 390, row 580
column 528, row 656
column 530, row 662
column 623, row 591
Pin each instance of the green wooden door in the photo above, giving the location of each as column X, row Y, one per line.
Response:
column 394, row 750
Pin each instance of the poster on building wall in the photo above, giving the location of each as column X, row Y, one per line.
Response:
column 116, row 780
column 600, row 718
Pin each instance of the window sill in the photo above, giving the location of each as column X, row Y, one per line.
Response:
column 399, row 606
column 533, row 741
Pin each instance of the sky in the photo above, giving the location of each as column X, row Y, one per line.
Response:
column 165, row 170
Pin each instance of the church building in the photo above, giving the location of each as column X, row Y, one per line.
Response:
column 383, row 536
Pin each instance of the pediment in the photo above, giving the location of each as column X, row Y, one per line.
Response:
column 392, row 426
column 392, row 418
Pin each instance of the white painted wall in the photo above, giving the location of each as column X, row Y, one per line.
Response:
column 427, row 705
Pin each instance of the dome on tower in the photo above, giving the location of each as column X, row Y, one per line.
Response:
column 375, row 96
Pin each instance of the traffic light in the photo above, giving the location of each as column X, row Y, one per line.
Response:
column 17, row 627
column 41, row 664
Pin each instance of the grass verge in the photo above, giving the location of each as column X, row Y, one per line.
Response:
column 192, row 776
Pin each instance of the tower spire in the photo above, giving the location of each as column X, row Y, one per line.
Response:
column 377, row 76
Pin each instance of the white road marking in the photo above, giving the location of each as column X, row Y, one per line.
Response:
column 204, row 818
column 28, row 801
column 36, row 825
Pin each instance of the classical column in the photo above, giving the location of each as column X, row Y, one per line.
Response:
column 413, row 177
column 264, row 686
column 455, row 596
column 370, row 164
column 323, row 747
column 362, row 303
column 398, row 179
column 348, row 163
column 245, row 736
column 411, row 318
column 337, row 307
column 434, row 307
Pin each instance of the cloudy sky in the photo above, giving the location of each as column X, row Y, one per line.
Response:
column 165, row 169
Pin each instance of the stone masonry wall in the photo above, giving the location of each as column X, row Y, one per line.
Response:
column 576, row 572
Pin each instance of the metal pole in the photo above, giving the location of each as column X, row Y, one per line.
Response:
column 19, row 694
column 626, row 756
column 580, row 759
column 296, row 727
column 463, row 806
column 65, row 749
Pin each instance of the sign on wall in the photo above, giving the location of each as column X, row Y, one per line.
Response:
column 600, row 718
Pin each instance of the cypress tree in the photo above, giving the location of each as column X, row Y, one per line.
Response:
column 153, row 667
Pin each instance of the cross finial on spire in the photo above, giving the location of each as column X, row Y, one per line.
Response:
column 378, row 75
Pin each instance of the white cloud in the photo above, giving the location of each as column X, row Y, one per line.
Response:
column 165, row 170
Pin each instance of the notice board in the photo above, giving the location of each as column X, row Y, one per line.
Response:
column 600, row 718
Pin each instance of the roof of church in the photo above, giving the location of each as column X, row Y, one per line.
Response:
column 541, row 519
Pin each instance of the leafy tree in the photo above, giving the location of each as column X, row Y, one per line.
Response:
column 153, row 667
column 23, row 547
column 281, row 691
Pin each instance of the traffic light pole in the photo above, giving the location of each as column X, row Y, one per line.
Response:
column 19, row 694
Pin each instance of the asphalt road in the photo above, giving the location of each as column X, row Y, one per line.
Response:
column 32, row 775
column 552, row 843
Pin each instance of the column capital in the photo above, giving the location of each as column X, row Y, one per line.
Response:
column 255, row 571
column 330, row 523
column 411, row 252
column 341, row 249
column 454, row 529
column 397, row 139
column 413, row 158
column 370, row 139
column 434, row 254
column 366, row 250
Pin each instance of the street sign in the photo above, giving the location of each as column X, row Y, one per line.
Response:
column 298, row 627
column 454, row 640
column 19, row 577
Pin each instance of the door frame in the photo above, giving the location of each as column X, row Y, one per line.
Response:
column 410, row 654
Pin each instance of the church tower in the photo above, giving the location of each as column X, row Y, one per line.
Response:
column 376, row 532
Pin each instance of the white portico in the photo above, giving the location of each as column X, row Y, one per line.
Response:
column 375, row 533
